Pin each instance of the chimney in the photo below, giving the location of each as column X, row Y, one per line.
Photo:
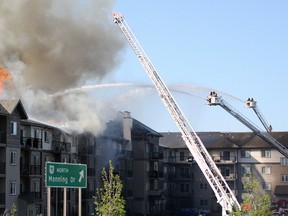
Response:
column 127, row 126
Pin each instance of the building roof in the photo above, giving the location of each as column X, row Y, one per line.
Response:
column 9, row 106
column 216, row 140
column 138, row 126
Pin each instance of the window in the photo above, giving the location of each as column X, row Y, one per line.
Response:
column 203, row 202
column 226, row 155
column 147, row 186
column 266, row 170
column 284, row 161
column 13, row 128
column 172, row 186
column 284, row 178
column 182, row 156
column 36, row 186
column 203, row 186
column 36, row 133
column 13, row 188
column 155, row 165
column 266, row 153
column 155, row 184
column 12, row 158
column 266, row 186
column 246, row 170
column 46, row 136
column 225, row 171
column 184, row 188
column 245, row 154
column 36, row 160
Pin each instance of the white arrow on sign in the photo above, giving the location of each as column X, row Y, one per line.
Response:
column 81, row 175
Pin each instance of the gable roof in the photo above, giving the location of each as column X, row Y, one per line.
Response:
column 9, row 106
column 221, row 140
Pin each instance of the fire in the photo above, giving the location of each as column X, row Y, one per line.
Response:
column 4, row 75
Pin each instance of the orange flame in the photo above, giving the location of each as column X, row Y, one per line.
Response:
column 4, row 75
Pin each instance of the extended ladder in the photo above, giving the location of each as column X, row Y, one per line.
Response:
column 214, row 100
column 223, row 193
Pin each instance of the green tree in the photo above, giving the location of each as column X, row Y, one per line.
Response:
column 13, row 210
column 255, row 200
column 108, row 200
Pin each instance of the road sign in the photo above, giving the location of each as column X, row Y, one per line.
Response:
column 66, row 175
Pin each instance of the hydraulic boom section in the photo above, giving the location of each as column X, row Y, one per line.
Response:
column 214, row 99
column 223, row 193
column 250, row 103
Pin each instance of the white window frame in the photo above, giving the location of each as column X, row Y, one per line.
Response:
column 46, row 136
column 266, row 153
column 13, row 189
column 13, row 128
column 12, row 157
column 266, row 170
column 284, row 161
column 245, row 154
column 267, row 186
column 284, row 178
column 203, row 202
column 203, row 186
column 246, row 170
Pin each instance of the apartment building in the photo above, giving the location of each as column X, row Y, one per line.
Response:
column 158, row 172
column 236, row 155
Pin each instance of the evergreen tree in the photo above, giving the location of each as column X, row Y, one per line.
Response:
column 255, row 200
column 108, row 200
column 13, row 211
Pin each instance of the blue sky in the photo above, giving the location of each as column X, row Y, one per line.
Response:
column 238, row 48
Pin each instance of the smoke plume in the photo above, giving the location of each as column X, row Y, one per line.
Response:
column 50, row 46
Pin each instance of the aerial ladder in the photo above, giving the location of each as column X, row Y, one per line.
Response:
column 223, row 193
column 251, row 103
column 214, row 100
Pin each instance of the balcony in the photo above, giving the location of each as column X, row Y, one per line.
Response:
column 84, row 150
column 61, row 146
column 124, row 154
column 155, row 155
column 29, row 142
column 180, row 175
column 231, row 176
column 155, row 174
column 224, row 159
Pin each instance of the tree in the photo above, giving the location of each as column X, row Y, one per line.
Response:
column 255, row 200
column 13, row 211
column 108, row 200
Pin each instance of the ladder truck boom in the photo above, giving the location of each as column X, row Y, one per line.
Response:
column 223, row 193
column 214, row 99
column 250, row 103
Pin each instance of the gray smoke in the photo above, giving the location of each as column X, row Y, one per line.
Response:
column 50, row 46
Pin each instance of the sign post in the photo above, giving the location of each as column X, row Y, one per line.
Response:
column 65, row 175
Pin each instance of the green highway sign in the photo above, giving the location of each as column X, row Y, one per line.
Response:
column 66, row 175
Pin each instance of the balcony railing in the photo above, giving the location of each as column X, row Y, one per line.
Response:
column 124, row 154
column 61, row 146
column 178, row 176
column 224, row 159
column 155, row 174
column 155, row 155
column 30, row 142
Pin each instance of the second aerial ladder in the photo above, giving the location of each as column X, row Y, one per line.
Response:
column 214, row 99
